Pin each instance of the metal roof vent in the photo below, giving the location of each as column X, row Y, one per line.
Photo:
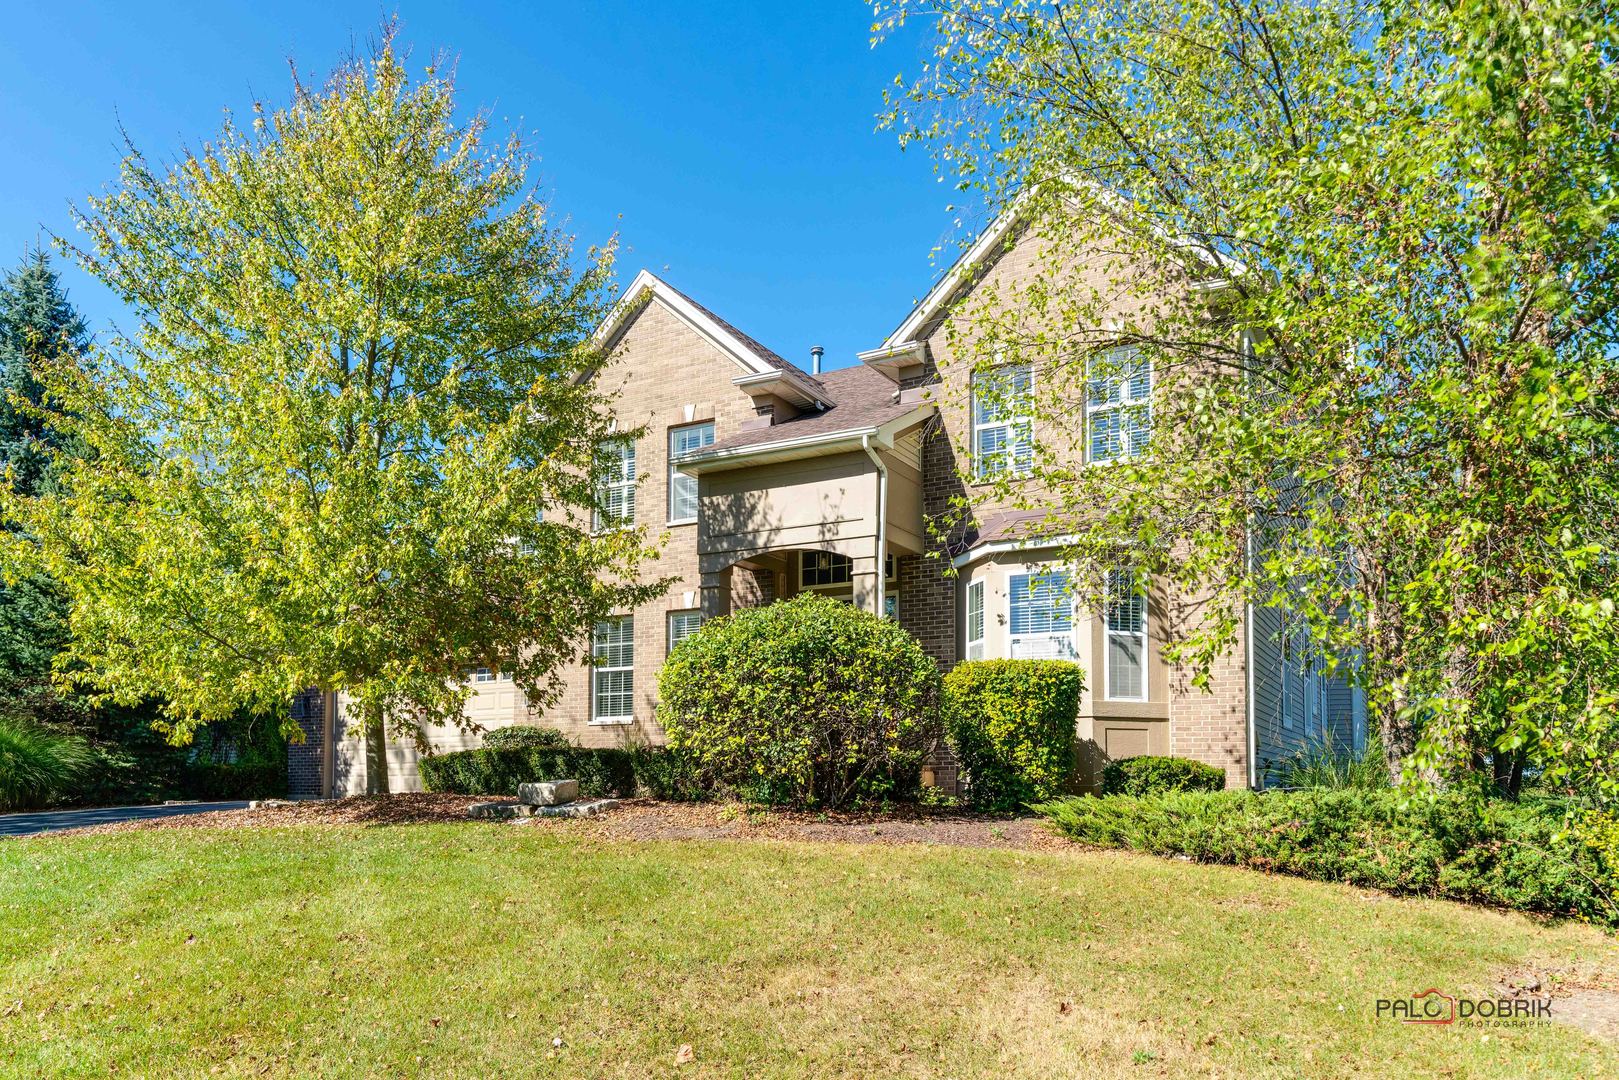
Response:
column 816, row 352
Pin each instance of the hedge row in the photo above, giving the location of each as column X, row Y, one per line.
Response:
column 601, row 772
column 1515, row 855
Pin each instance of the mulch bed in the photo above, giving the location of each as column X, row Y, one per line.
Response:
column 640, row 819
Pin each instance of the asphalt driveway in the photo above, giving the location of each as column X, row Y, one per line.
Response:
column 51, row 820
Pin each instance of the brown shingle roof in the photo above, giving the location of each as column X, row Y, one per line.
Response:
column 865, row 398
column 752, row 344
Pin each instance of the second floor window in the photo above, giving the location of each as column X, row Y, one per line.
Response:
column 1118, row 409
column 683, row 488
column 615, row 484
column 1003, row 422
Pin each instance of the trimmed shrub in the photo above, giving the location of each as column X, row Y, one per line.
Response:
column 210, row 780
column 808, row 702
column 1153, row 775
column 37, row 765
column 525, row 737
column 1011, row 725
column 1516, row 855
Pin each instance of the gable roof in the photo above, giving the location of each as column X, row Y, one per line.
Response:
column 967, row 266
column 753, row 357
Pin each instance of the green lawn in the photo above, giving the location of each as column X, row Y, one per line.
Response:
column 464, row 950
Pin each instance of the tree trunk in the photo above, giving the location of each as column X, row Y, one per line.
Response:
column 376, row 754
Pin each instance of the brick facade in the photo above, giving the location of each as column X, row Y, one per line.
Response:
column 306, row 760
column 672, row 373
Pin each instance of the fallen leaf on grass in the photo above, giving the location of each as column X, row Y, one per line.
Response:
column 685, row 1055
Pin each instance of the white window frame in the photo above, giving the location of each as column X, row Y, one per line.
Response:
column 483, row 675
column 599, row 650
column 890, row 570
column 679, row 480
column 682, row 614
column 1118, row 401
column 1139, row 637
column 975, row 645
column 619, row 454
column 1061, row 636
column 1015, row 455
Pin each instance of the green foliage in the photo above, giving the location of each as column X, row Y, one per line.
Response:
column 347, row 443
column 37, row 765
column 522, row 737
column 1153, row 775
column 600, row 771
column 1390, row 418
column 1319, row 765
column 210, row 780
column 1517, row 855
column 38, row 328
column 1011, row 725
column 807, row 702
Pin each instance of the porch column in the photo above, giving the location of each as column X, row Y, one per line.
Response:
column 716, row 589
column 867, row 581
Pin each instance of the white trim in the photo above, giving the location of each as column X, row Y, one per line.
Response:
column 1118, row 408
column 600, row 669
column 1006, row 547
column 669, row 640
column 961, row 271
column 647, row 286
column 1144, row 636
column 622, row 484
column 1015, row 417
column 675, row 472
column 822, row 442
column 983, row 620
column 799, row 389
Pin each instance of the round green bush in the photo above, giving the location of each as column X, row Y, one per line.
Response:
column 808, row 702
column 525, row 737
column 1011, row 725
column 38, row 765
column 1152, row 775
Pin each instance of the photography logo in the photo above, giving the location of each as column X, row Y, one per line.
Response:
column 1435, row 1007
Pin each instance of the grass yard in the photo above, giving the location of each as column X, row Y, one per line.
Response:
column 465, row 949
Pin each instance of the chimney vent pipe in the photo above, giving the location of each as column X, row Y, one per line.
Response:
column 816, row 352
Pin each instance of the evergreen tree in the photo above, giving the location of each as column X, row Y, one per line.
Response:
column 38, row 327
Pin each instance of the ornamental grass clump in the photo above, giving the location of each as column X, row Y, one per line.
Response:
column 38, row 765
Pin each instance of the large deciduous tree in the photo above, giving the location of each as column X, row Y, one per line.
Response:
column 348, row 442
column 1377, row 246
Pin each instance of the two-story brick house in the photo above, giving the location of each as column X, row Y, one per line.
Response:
column 770, row 478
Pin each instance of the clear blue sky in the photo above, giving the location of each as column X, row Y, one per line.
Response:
column 732, row 146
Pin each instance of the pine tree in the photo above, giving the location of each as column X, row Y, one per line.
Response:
column 38, row 326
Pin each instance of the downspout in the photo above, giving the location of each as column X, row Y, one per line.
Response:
column 882, row 522
column 1248, row 666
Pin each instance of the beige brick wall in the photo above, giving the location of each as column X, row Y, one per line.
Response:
column 1209, row 727
column 666, row 376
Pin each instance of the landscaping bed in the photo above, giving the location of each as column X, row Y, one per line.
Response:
column 644, row 819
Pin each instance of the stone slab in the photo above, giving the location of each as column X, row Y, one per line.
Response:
column 499, row 811
column 590, row 808
column 548, row 793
